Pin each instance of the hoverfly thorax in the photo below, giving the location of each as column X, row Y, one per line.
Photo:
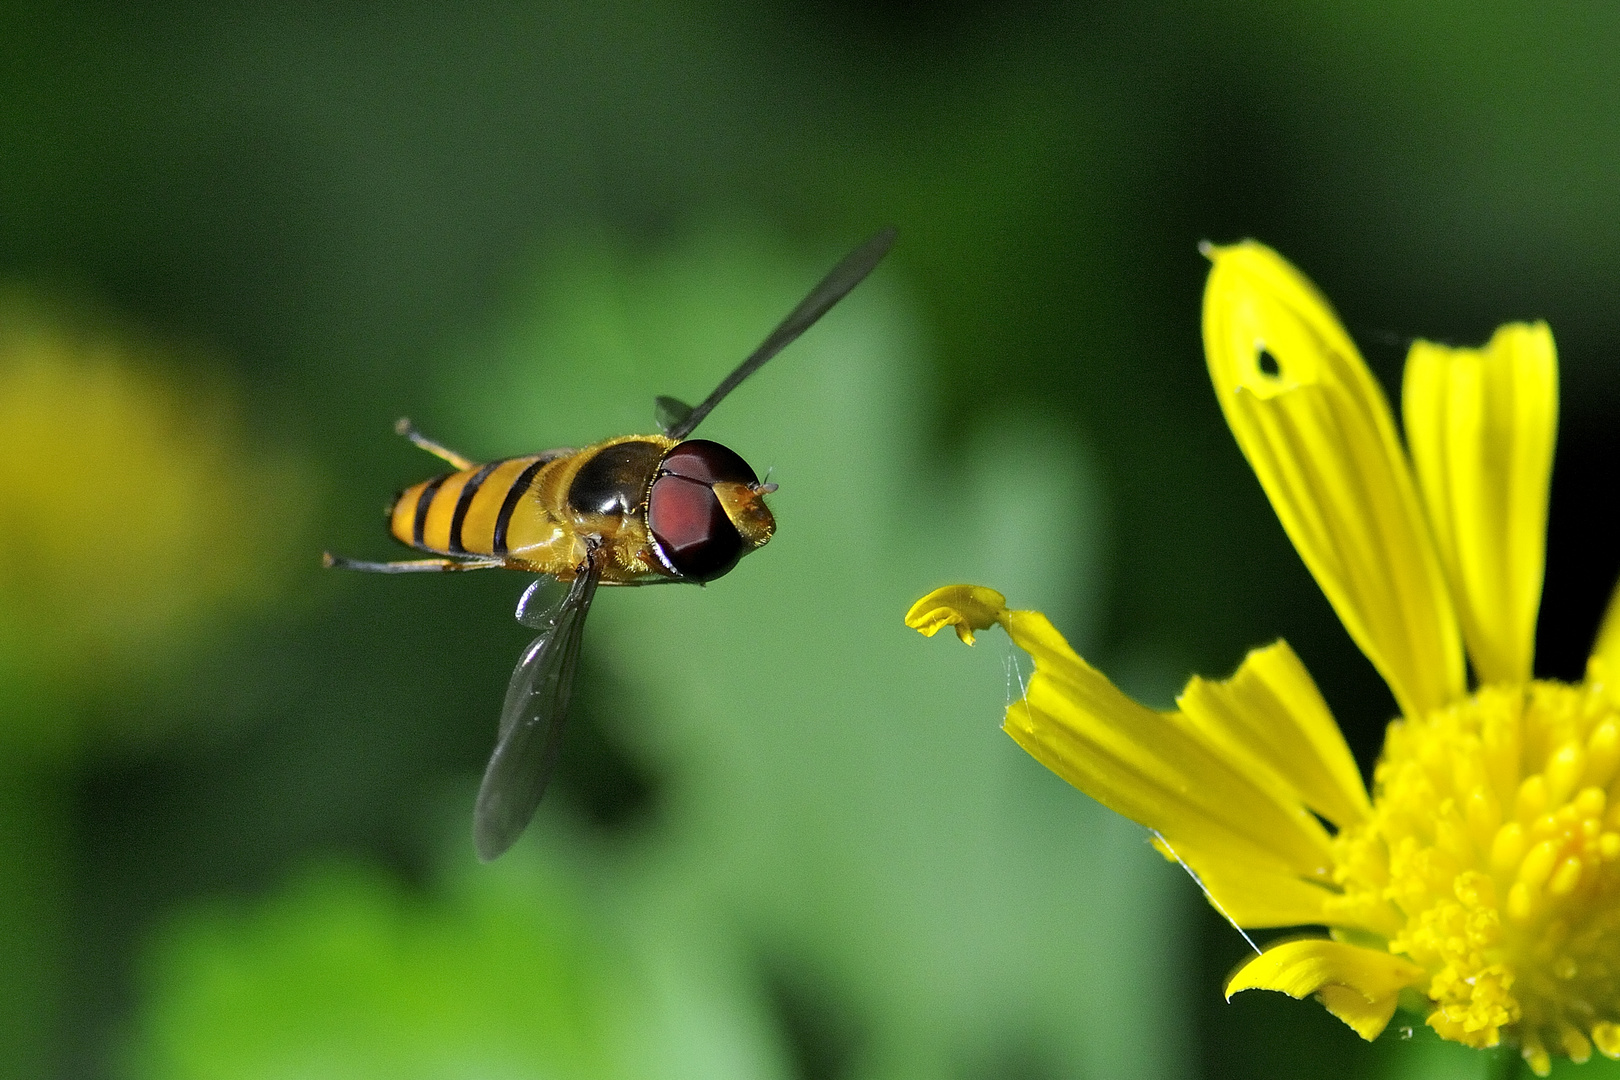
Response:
column 706, row 510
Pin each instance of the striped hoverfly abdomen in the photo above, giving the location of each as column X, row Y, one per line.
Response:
column 471, row 511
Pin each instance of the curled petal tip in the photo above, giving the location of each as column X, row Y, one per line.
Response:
column 1360, row 986
column 965, row 607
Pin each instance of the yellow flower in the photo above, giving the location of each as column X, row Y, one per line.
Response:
column 131, row 513
column 1482, row 879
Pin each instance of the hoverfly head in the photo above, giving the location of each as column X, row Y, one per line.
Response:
column 706, row 510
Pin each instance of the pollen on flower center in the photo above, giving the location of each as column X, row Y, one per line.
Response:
column 1492, row 859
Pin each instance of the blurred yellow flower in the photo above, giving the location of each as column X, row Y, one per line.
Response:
column 1481, row 882
column 129, row 510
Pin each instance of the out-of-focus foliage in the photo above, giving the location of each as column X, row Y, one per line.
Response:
column 134, row 510
column 518, row 222
column 135, row 519
column 344, row 973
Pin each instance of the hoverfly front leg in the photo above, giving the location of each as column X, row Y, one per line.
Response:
column 403, row 426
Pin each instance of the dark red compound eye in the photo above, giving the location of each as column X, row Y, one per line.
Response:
column 691, row 528
column 707, row 462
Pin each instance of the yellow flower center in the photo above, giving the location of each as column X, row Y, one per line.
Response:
column 1492, row 859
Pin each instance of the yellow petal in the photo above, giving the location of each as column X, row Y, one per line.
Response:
column 1606, row 650
column 1230, row 821
column 1264, row 858
column 1250, row 891
column 1366, row 1018
column 1359, row 986
column 1320, row 437
column 965, row 607
column 1271, row 715
column 1481, row 425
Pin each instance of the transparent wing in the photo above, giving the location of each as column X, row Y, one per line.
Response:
column 542, row 602
column 833, row 288
column 530, row 733
column 670, row 412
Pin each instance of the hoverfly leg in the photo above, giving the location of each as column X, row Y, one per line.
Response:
column 408, row 566
column 403, row 426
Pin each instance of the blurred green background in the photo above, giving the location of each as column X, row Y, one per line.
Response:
column 787, row 840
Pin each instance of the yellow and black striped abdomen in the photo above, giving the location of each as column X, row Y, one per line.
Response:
column 468, row 512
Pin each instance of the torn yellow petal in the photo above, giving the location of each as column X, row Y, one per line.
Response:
column 1359, row 986
column 1271, row 713
column 1228, row 830
column 1231, row 822
column 965, row 607
column 1263, row 856
column 1171, row 777
column 1481, row 425
column 1319, row 435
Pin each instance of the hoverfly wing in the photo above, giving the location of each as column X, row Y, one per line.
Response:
column 671, row 413
column 530, row 733
column 542, row 602
column 832, row 288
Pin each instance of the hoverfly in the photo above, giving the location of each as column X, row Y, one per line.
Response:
column 633, row 510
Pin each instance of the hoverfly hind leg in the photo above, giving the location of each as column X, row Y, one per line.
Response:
column 407, row 566
column 403, row 426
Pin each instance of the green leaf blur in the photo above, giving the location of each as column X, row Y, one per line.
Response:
column 787, row 840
